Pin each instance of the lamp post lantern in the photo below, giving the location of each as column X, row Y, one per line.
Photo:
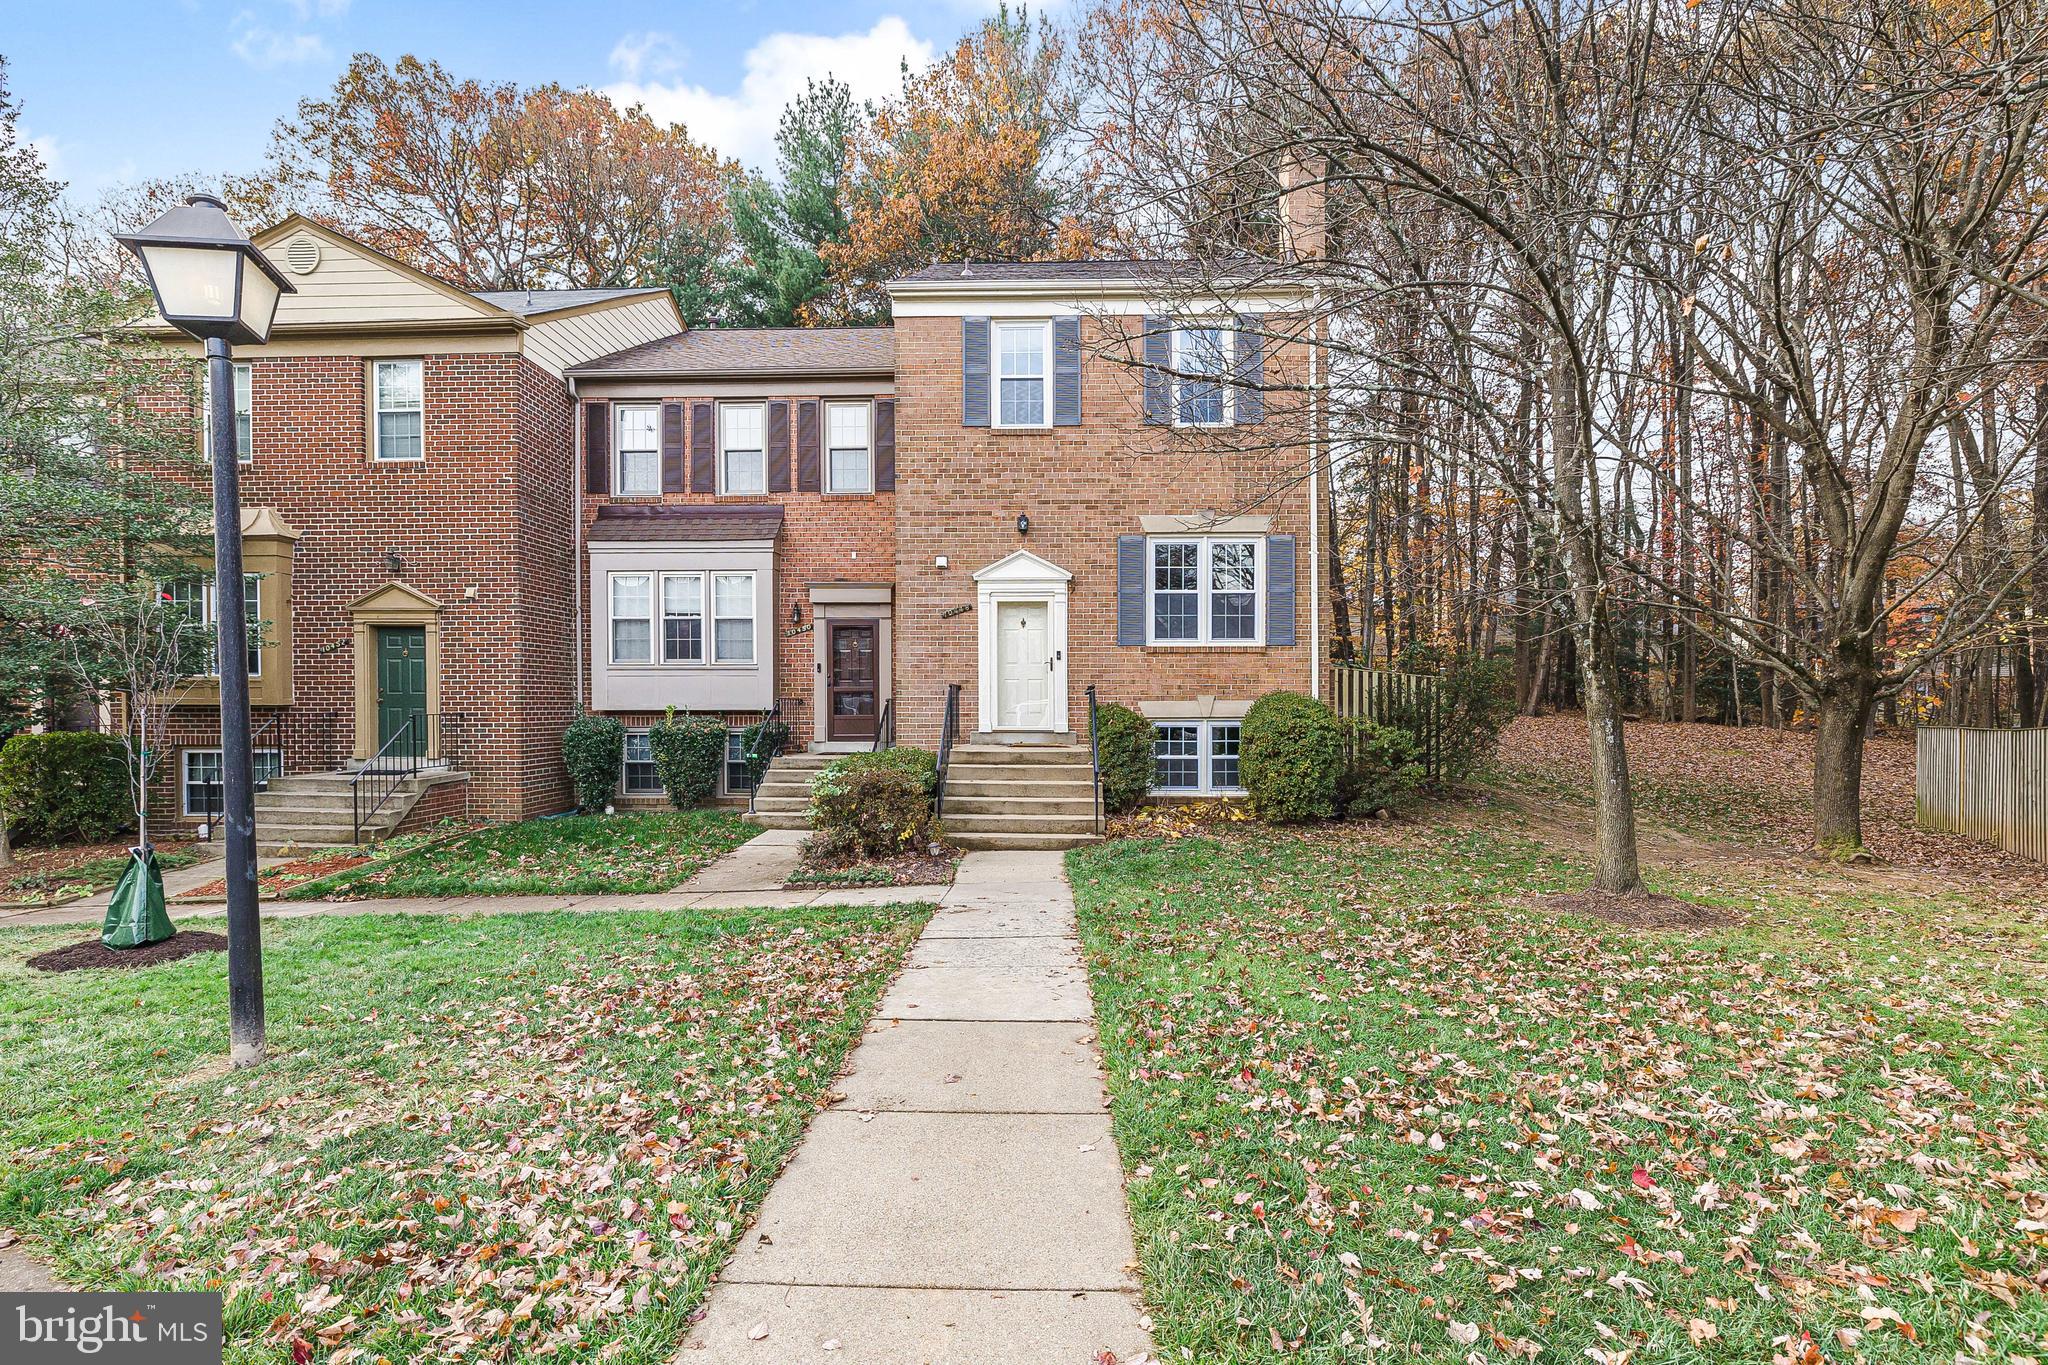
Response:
column 212, row 284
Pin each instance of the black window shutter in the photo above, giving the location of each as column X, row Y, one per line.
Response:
column 703, row 449
column 807, row 464
column 1158, row 383
column 671, row 447
column 597, row 447
column 1130, row 590
column 1279, row 590
column 1066, row 372
column 885, row 445
column 974, row 372
column 1251, row 369
column 778, row 446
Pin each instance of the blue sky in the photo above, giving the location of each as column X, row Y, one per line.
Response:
column 111, row 90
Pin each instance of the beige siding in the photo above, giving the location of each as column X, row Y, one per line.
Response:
column 557, row 343
column 349, row 287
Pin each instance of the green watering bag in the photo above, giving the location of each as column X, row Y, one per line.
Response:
column 135, row 916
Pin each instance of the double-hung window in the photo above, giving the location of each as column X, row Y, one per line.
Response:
column 849, row 457
column 639, row 446
column 736, row 779
column 640, row 778
column 397, row 390
column 632, row 618
column 1197, row 756
column 742, row 458
column 202, row 777
column 1201, row 363
column 244, row 451
column 732, row 614
column 682, row 618
column 1022, row 352
column 196, row 600
column 1206, row 591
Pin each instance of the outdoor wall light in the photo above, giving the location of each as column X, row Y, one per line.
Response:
column 1023, row 524
column 394, row 564
column 796, row 613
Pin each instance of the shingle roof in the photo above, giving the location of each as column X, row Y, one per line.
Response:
column 756, row 350
column 684, row 521
column 529, row 303
column 1075, row 272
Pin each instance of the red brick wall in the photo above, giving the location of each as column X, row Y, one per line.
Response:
column 442, row 801
column 961, row 489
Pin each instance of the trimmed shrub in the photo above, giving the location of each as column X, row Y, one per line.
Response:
column 688, row 755
column 759, row 744
column 1291, row 758
column 873, row 805
column 69, row 786
column 594, row 750
column 1123, row 742
column 1386, row 771
column 1474, row 701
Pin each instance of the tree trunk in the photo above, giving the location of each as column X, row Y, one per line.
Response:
column 1844, row 717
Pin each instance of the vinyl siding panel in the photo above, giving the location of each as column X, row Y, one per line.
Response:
column 555, row 344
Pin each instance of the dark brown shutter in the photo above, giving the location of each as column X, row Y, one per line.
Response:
column 807, row 460
column 597, row 447
column 885, row 445
column 671, row 447
column 778, row 446
column 703, row 449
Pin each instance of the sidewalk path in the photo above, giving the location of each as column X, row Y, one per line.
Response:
column 963, row 1202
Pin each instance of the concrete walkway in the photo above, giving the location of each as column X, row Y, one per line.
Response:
column 963, row 1201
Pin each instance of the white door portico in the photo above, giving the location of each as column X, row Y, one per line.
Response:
column 1021, row 603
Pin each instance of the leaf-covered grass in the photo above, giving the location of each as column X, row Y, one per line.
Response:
column 43, row 875
column 489, row 1137
column 1370, row 1101
column 572, row 855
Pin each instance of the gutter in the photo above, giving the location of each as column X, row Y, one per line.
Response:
column 576, row 575
column 1315, row 527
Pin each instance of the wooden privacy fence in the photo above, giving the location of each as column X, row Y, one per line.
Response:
column 1409, row 700
column 1988, row 784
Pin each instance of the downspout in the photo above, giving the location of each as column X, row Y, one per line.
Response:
column 1315, row 526
column 577, row 644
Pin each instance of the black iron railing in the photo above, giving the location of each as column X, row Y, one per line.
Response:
column 948, row 728
column 213, row 795
column 1095, row 756
column 423, row 741
column 885, row 726
column 770, row 740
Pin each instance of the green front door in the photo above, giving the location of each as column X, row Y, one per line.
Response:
column 401, row 682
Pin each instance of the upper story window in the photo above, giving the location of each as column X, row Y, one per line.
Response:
column 1201, row 362
column 244, row 451
column 1206, row 591
column 196, row 599
column 639, row 450
column 849, row 459
column 397, row 389
column 1023, row 351
column 742, row 454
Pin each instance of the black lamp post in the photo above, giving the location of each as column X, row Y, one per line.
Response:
column 212, row 284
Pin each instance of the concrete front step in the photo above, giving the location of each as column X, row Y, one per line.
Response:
column 985, row 822
column 780, row 819
column 956, row 804
column 980, row 839
column 962, row 776
column 1018, row 754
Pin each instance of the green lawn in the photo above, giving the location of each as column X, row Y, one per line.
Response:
column 572, row 855
column 1368, row 1104
column 479, row 1137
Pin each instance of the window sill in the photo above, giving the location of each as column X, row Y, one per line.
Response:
column 1185, row 646
column 399, row 460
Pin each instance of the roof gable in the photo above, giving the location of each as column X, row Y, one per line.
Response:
column 343, row 283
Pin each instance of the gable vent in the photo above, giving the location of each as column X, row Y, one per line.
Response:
column 302, row 254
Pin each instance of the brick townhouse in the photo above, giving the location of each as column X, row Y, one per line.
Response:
column 470, row 515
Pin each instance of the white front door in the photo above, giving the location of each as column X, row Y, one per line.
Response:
column 1023, row 666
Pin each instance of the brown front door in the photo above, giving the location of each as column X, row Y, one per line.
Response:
column 851, row 692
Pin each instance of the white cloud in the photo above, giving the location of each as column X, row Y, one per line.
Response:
column 262, row 46
column 742, row 124
column 650, row 54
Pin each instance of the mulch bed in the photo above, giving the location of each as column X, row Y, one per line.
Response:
column 38, row 872
column 1643, row 911
column 75, row 957
column 283, row 877
column 911, row 869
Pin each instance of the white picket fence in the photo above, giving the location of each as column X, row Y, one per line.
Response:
column 1988, row 784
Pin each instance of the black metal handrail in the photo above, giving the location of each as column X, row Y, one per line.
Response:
column 773, row 737
column 268, row 735
column 423, row 741
column 948, row 727
column 885, row 726
column 1095, row 756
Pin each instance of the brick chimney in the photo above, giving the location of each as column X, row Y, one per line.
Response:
column 1304, row 223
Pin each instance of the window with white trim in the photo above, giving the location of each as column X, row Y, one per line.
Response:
column 732, row 618
column 202, row 789
column 640, row 777
column 639, row 450
column 1201, row 363
column 849, row 453
column 742, row 452
column 196, row 598
column 397, row 390
column 1023, row 354
column 1206, row 591
column 736, row 779
column 1196, row 756
column 632, row 597
column 244, row 383
column 682, row 618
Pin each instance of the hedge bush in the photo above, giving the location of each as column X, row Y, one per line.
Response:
column 1291, row 758
column 1386, row 771
column 68, row 786
column 594, row 750
column 873, row 805
column 1123, row 742
column 688, row 755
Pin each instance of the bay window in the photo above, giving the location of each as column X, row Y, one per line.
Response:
column 683, row 627
column 1205, row 590
column 732, row 610
column 196, row 600
column 639, row 446
column 632, row 618
column 682, row 618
